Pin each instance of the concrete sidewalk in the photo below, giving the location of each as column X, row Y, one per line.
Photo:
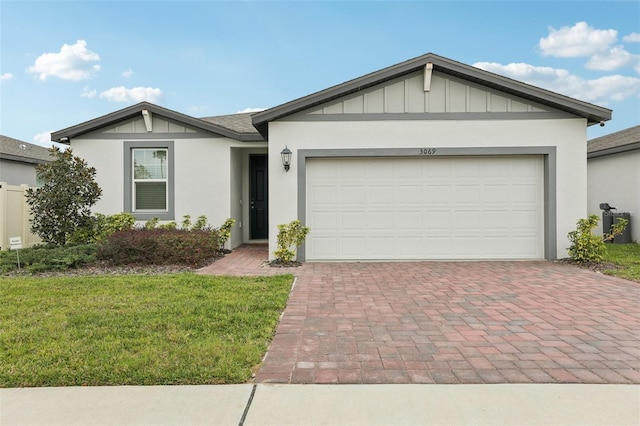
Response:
column 265, row 404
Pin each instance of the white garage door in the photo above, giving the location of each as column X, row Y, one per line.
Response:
column 425, row 208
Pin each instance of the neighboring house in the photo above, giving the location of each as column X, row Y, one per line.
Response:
column 19, row 159
column 613, row 170
column 426, row 159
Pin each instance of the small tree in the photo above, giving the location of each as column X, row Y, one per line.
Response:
column 61, row 206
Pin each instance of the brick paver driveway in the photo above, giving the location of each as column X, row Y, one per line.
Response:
column 456, row 322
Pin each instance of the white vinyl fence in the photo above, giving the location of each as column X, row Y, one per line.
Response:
column 14, row 216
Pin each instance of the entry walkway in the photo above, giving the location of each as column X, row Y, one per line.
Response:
column 449, row 322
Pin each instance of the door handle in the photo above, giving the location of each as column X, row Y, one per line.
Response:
column 253, row 204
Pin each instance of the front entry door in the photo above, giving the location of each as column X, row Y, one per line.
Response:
column 258, row 201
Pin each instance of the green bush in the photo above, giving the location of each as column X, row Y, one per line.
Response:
column 47, row 258
column 292, row 234
column 100, row 226
column 224, row 232
column 586, row 247
column 160, row 246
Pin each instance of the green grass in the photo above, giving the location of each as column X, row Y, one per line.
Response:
column 628, row 257
column 136, row 330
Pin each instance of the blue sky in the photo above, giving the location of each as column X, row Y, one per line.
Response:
column 65, row 62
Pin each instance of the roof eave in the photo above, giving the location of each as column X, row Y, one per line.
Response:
column 21, row 159
column 65, row 135
column 614, row 150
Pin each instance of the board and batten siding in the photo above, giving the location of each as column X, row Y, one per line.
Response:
column 159, row 125
column 447, row 94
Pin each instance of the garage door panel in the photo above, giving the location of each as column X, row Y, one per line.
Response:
column 352, row 221
column 325, row 247
column 354, row 247
column 409, row 246
column 410, row 220
column 352, row 194
column 437, row 220
column 325, row 194
column 425, row 208
column 381, row 221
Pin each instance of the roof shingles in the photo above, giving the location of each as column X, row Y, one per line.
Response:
column 15, row 149
column 624, row 140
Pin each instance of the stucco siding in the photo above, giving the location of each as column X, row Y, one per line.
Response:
column 107, row 158
column 567, row 135
column 202, row 176
column 615, row 179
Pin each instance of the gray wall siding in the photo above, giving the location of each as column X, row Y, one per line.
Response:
column 447, row 94
column 16, row 173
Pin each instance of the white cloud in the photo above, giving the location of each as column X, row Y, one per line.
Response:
column 88, row 93
column 614, row 87
column 43, row 138
column 6, row 76
column 249, row 109
column 128, row 73
column 612, row 59
column 579, row 40
column 600, row 90
column 74, row 62
column 135, row 94
column 632, row 38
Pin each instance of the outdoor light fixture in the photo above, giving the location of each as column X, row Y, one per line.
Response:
column 286, row 158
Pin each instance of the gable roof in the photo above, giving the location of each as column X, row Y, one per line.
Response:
column 232, row 130
column 622, row 141
column 17, row 150
column 593, row 113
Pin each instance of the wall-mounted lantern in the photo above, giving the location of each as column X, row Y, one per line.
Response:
column 286, row 158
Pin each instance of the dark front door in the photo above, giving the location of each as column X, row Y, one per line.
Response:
column 258, row 201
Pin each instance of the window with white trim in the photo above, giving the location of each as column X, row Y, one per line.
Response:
column 149, row 179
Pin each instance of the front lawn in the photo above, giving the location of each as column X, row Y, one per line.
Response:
column 628, row 257
column 136, row 330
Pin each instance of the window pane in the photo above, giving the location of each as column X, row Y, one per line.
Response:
column 151, row 196
column 150, row 163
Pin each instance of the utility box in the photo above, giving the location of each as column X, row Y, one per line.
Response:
column 609, row 218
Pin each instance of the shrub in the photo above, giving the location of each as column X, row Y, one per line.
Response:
column 47, row 258
column 224, row 232
column 151, row 223
column 115, row 223
column 201, row 223
column 102, row 226
column 61, row 206
column 292, row 234
column 160, row 246
column 586, row 247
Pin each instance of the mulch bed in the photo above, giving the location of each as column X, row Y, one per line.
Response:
column 282, row 264
column 592, row 266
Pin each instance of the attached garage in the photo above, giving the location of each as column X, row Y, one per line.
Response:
column 469, row 207
column 429, row 159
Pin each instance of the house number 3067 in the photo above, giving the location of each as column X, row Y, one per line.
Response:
column 427, row 151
